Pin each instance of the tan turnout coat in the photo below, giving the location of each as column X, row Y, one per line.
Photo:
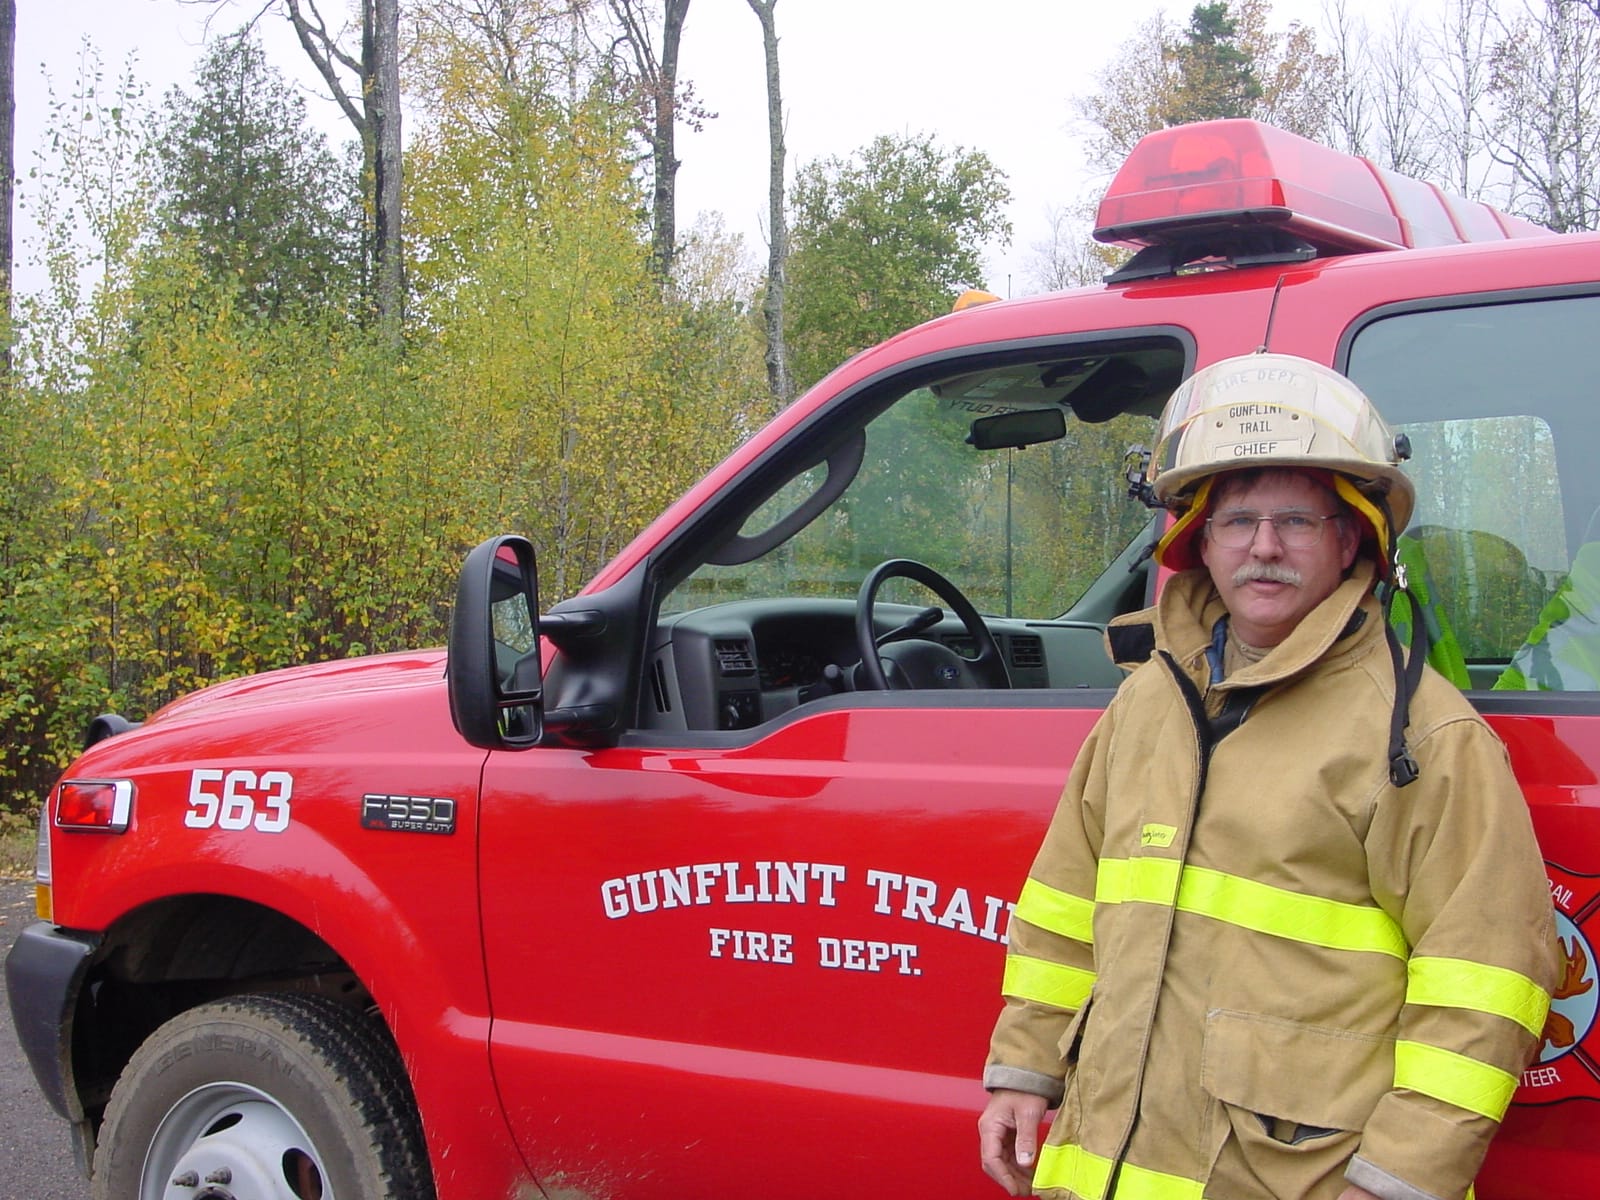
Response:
column 1243, row 973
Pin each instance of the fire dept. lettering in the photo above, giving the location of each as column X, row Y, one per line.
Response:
column 875, row 893
column 833, row 953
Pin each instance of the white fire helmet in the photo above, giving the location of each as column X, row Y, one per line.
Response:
column 1275, row 410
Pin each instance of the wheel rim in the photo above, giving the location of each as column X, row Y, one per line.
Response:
column 230, row 1141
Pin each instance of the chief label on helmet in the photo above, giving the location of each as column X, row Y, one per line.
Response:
column 1254, row 430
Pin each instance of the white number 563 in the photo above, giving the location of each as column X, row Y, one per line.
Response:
column 239, row 799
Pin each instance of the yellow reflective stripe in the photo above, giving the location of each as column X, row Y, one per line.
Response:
column 1150, row 880
column 1459, row 983
column 1454, row 1078
column 1251, row 905
column 1072, row 1168
column 1057, row 911
column 1050, row 983
column 1075, row 1169
column 1282, row 913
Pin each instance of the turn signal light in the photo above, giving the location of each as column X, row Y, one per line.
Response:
column 95, row 806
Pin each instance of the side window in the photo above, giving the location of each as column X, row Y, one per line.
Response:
column 1002, row 470
column 1026, row 531
column 1500, row 410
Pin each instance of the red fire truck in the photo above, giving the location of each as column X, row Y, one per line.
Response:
column 697, row 883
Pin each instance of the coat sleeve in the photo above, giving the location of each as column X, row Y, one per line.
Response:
column 1050, row 964
column 1453, row 859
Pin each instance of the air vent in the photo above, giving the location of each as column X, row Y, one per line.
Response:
column 734, row 656
column 658, row 687
column 1027, row 652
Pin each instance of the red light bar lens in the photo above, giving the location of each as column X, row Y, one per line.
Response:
column 1228, row 170
column 1219, row 175
column 100, row 806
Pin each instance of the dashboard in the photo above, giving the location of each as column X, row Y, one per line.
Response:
column 737, row 665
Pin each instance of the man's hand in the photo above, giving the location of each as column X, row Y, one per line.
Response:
column 1008, row 1137
column 1352, row 1192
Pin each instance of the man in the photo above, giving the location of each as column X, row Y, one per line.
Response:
column 1288, row 935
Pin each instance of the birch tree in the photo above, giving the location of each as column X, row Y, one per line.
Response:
column 1546, row 77
column 1456, row 60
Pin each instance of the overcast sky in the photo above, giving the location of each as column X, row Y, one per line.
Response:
column 997, row 76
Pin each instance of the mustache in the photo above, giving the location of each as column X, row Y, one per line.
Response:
column 1268, row 573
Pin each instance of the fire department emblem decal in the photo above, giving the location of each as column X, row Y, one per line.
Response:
column 1568, row 1066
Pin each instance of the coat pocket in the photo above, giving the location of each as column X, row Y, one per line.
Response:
column 1307, row 1075
column 1069, row 1115
column 1073, row 1037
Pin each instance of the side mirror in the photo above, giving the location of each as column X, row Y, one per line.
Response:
column 493, row 674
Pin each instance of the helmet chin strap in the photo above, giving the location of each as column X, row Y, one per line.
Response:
column 1403, row 767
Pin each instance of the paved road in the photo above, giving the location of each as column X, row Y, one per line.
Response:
column 35, row 1151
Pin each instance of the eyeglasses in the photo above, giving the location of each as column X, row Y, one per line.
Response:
column 1298, row 530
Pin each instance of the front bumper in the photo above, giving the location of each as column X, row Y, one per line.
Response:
column 44, row 973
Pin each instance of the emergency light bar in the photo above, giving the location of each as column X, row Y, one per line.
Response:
column 1215, row 177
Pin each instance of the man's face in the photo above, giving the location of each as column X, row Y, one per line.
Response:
column 1269, row 586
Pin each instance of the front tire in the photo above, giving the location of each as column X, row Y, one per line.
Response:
column 264, row 1097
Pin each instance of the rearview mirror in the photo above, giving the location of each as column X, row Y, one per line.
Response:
column 1025, row 427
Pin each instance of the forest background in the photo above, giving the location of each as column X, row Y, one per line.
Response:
column 245, row 423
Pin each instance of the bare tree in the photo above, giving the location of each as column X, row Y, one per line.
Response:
column 772, row 306
column 1053, row 260
column 1546, row 78
column 1350, row 94
column 1403, row 100
column 1069, row 257
column 657, row 74
column 1457, row 55
column 1133, row 92
column 8, row 173
column 1295, row 74
column 372, row 107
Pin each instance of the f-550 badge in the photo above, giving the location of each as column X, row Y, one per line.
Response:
column 408, row 814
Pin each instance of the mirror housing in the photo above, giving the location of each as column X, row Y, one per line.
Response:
column 496, row 683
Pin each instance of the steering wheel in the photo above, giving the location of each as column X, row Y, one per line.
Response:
column 916, row 662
